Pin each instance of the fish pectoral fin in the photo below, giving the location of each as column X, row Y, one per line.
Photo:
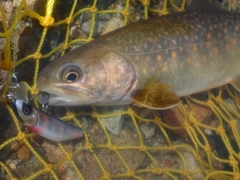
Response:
column 157, row 96
column 236, row 83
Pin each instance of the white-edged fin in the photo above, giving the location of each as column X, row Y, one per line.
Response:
column 236, row 83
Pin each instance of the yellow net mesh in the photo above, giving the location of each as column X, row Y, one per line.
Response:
column 203, row 151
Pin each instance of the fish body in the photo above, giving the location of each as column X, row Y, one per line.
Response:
column 45, row 124
column 190, row 52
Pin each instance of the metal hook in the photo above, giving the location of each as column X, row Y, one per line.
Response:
column 17, row 90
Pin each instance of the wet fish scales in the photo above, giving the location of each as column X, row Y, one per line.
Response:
column 200, row 45
column 191, row 52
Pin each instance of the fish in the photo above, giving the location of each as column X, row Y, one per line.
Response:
column 152, row 63
column 44, row 124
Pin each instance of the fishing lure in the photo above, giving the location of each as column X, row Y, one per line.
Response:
column 44, row 124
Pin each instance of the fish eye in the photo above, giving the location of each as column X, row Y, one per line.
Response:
column 71, row 74
column 26, row 109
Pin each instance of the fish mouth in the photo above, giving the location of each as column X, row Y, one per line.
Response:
column 54, row 100
column 82, row 97
column 62, row 95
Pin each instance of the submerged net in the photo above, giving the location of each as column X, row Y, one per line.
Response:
column 199, row 139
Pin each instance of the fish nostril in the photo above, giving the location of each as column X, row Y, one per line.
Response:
column 48, row 75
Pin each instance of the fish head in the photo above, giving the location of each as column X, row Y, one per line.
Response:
column 85, row 76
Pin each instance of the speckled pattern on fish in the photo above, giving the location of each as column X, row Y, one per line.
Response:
column 172, row 48
column 191, row 52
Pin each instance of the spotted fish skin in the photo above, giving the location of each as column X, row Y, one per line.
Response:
column 191, row 52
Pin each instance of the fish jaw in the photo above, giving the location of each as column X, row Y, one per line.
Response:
column 105, row 77
column 59, row 100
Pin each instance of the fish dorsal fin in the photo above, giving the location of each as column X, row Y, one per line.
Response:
column 204, row 5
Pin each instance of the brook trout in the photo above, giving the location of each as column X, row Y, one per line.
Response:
column 151, row 63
